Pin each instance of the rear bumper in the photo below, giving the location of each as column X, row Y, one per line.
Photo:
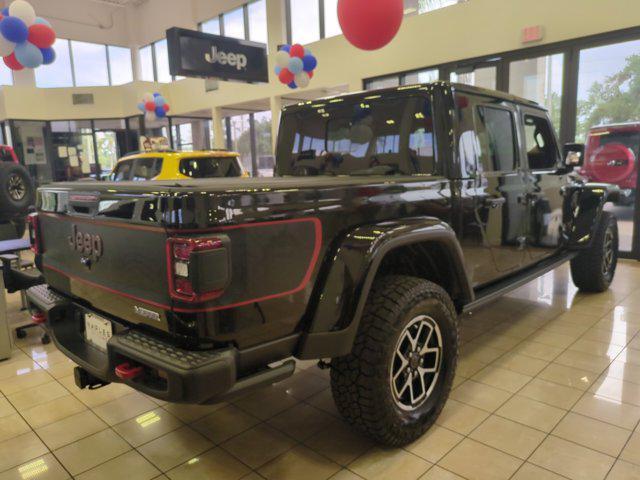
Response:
column 168, row 373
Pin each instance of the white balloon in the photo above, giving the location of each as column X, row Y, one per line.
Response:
column 6, row 47
column 282, row 59
column 302, row 79
column 24, row 11
column 148, row 97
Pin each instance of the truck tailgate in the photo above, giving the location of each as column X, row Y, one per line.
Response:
column 105, row 250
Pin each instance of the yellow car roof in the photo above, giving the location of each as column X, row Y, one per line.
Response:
column 178, row 155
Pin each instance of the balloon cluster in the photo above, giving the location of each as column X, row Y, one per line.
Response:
column 25, row 39
column 154, row 106
column 295, row 65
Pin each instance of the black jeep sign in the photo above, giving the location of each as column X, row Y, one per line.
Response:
column 197, row 54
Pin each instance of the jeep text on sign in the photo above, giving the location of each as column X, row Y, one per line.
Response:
column 197, row 54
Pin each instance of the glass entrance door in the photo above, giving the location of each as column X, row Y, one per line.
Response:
column 609, row 123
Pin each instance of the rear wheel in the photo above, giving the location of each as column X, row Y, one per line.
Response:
column 395, row 382
column 593, row 270
column 16, row 188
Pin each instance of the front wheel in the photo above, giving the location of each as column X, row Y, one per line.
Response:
column 593, row 270
column 395, row 382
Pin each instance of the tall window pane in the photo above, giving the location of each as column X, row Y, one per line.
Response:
column 234, row 23
column 386, row 82
column 6, row 78
column 241, row 139
column 58, row 74
column 89, row 64
column 258, row 21
column 539, row 79
column 331, row 24
column 264, row 148
column 609, row 123
column 146, row 64
column 305, row 21
column 162, row 61
column 424, row 76
column 211, row 26
column 485, row 77
column 120, row 65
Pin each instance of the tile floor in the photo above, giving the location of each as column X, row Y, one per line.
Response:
column 548, row 387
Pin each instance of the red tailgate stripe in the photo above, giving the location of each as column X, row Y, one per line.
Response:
column 303, row 284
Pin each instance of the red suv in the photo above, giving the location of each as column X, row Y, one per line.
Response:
column 611, row 156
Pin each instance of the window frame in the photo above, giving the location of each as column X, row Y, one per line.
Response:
column 517, row 151
column 72, row 63
column 245, row 15
column 532, row 112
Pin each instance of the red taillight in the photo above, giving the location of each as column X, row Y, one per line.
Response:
column 34, row 233
column 38, row 317
column 179, row 258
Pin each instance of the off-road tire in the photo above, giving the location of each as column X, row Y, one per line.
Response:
column 361, row 382
column 17, row 191
column 588, row 269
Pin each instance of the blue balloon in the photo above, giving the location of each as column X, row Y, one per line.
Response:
column 310, row 63
column 293, row 85
column 295, row 65
column 278, row 70
column 156, row 95
column 160, row 113
column 43, row 21
column 14, row 29
column 141, row 107
column 29, row 55
column 48, row 55
column 159, row 101
column 286, row 48
column 5, row 12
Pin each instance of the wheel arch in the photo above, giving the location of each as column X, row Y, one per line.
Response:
column 362, row 255
column 583, row 206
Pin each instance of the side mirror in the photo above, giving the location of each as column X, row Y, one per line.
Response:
column 574, row 155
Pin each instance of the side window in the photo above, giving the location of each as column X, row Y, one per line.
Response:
column 146, row 169
column 542, row 152
column 498, row 139
column 122, row 171
column 421, row 139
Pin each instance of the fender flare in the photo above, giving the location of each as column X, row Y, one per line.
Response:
column 584, row 205
column 352, row 267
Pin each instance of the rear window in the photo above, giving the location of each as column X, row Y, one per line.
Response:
column 5, row 155
column 210, row 167
column 630, row 139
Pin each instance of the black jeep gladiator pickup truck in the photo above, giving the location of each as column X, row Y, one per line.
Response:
column 390, row 214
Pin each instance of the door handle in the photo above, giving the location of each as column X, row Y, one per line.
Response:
column 494, row 202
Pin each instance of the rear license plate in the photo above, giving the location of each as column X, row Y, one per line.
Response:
column 97, row 330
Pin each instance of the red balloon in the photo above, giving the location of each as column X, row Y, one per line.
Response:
column 297, row 50
column 370, row 24
column 150, row 106
column 166, row 107
column 41, row 35
column 286, row 76
column 11, row 62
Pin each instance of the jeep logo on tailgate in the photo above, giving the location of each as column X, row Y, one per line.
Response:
column 90, row 246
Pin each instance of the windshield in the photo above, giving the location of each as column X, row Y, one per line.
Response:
column 211, row 167
column 372, row 136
